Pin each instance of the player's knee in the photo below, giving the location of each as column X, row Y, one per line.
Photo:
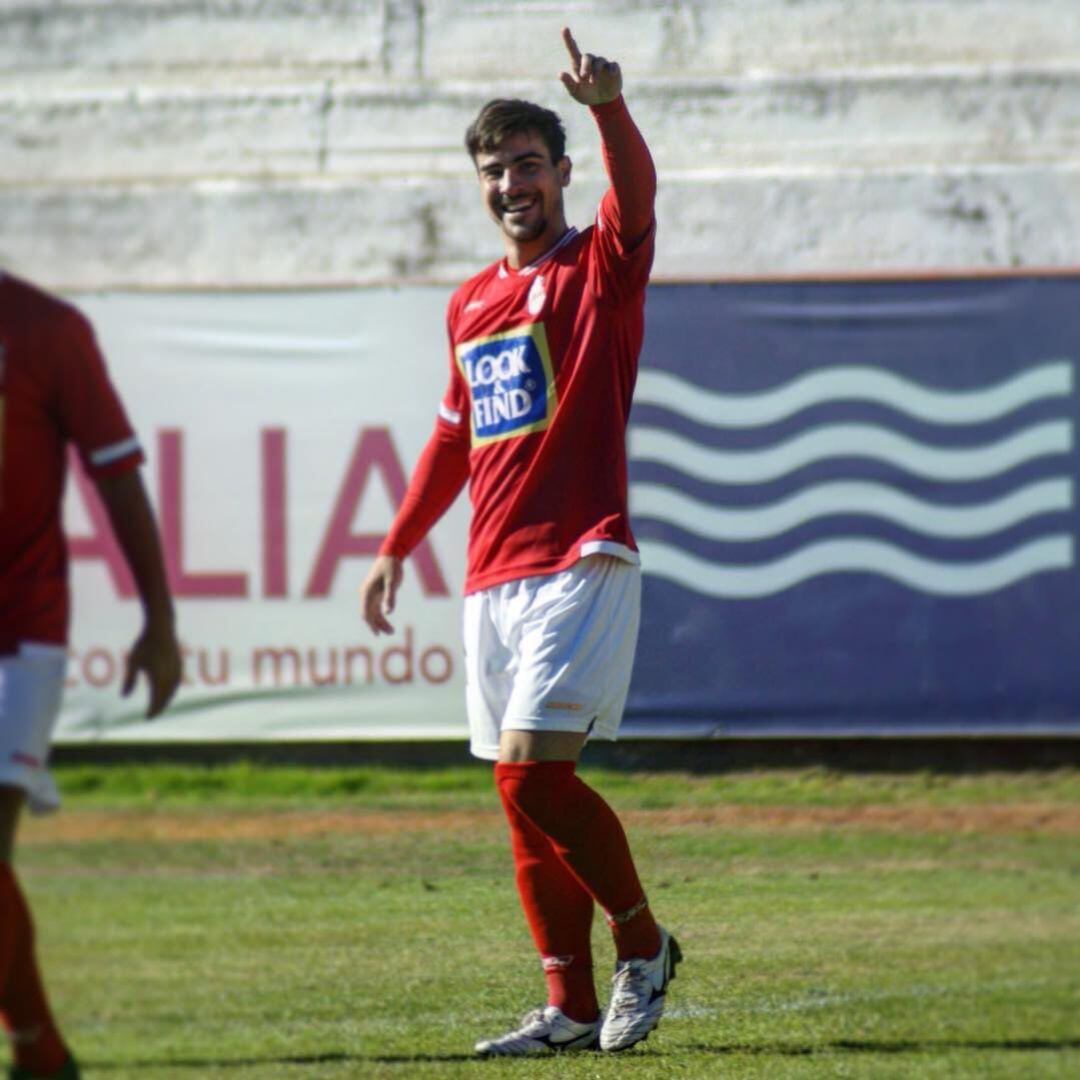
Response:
column 532, row 788
column 520, row 784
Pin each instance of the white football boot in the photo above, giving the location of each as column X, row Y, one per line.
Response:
column 543, row 1031
column 638, row 994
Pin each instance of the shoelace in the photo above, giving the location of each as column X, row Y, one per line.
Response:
column 533, row 1023
column 630, row 985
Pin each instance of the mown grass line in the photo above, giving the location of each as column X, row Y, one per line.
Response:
column 834, row 952
column 471, row 785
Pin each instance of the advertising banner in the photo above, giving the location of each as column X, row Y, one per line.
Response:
column 856, row 508
column 280, row 430
column 855, row 504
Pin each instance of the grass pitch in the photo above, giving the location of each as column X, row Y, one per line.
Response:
column 246, row 922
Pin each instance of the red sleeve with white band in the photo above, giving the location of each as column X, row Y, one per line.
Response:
column 89, row 409
column 54, row 392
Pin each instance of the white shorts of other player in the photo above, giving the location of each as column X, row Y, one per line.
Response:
column 31, row 684
column 552, row 653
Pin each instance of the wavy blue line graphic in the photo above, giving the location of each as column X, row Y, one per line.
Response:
column 846, row 555
column 713, row 522
column 849, row 440
column 852, row 383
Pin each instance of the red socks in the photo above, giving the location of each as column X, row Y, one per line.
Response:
column 38, row 1047
column 570, row 849
column 559, row 913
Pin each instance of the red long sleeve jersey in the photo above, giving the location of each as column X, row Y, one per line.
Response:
column 54, row 389
column 543, row 362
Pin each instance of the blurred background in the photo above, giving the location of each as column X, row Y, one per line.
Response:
column 853, row 448
column 268, row 143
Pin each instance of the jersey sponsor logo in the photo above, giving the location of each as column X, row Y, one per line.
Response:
column 511, row 383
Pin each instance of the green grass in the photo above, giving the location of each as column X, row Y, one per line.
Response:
column 810, row 952
column 470, row 786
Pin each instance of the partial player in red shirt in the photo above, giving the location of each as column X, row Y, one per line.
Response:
column 544, row 348
column 54, row 392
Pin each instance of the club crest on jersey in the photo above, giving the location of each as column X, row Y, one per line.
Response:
column 537, row 295
column 511, row 383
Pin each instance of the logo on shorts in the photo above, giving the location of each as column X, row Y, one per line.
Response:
column 511, row 383
column 564, row 706
column 25, row 759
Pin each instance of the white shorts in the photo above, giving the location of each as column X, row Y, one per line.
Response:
column 31, row 684
column 552, row 653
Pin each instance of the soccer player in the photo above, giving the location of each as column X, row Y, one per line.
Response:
column 543, row 357
column 54, row 390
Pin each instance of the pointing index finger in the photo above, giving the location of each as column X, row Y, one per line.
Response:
column 571, row 47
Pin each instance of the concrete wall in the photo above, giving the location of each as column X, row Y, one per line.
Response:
column 237, row 143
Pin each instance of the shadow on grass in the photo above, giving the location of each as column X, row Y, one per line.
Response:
column 838, row 1046
column 884, row 1046
column 285, row 1059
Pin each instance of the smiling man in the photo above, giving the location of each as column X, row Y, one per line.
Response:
column 543, row 357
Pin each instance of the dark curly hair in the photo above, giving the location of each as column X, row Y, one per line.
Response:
column 503, row 117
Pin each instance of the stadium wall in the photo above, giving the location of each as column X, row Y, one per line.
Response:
column 269, row 143
column 255, row 151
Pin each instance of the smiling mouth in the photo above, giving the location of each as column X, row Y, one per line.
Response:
column 516, row 209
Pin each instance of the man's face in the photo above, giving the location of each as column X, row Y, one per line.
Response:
column 522, row 189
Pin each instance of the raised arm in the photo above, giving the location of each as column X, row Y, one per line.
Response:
column 597, row 82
